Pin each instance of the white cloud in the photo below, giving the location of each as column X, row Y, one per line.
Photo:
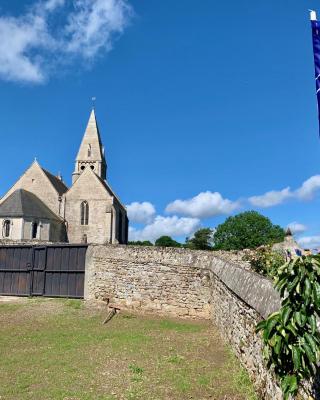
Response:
column 50, row 5
column 309, row 242
column 169, row 226
column 31, row 43
column 296, row 227
column 271, row 198
column 204, row 205
column 93, row 24
column 143, row 213
column 309, row 188
column 18, row 37
column 306, row 191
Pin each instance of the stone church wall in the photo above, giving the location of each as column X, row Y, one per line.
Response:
column 16, row 225
column 43, row 230
column 88, row 188
column 98, row 229
column 190, row 284
column 21, row 230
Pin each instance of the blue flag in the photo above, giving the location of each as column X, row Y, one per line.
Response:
column 316, row 51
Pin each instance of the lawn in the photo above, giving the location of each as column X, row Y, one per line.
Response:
column 59, row 350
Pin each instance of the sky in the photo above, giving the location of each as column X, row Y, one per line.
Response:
column 206, row 109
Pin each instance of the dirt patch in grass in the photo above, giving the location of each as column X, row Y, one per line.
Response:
column 59, row 350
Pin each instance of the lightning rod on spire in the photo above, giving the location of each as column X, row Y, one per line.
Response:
column 93, row 102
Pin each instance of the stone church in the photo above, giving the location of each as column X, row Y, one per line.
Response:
column 41, row 207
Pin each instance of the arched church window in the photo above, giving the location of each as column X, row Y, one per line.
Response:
column 34, row 232
column 82, row 167
column 92, row 167
column 6, row 228
column 84, row 213
column 89, row 150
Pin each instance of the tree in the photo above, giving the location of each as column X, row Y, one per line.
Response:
column 166, row 241
column 140, row 243
column 201, row 240
column 247, row 230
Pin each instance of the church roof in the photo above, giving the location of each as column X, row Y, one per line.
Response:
column 109, row 190
column 22, row 203
column 57, row 183
column 91, row 146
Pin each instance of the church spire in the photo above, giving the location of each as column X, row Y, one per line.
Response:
column 91, row 152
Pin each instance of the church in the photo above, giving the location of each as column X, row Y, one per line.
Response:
column 40, row 207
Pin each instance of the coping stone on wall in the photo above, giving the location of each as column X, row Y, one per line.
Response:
column 253, row 289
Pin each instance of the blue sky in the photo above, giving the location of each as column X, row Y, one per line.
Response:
column 203, row 107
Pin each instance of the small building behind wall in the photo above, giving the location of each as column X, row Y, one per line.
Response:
column 23, row 216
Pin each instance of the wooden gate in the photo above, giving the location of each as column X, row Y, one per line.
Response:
column 52, row 271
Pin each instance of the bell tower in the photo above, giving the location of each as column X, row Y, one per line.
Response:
column 91, row 151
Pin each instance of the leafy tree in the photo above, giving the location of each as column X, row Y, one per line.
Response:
column 140, row 243
column 166, row 241
column 202, row 240
column 247, row 230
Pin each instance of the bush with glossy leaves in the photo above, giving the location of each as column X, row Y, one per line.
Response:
column 291, row 338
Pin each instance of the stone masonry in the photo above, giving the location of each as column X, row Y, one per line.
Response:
column 191, row 284
column 148, row 280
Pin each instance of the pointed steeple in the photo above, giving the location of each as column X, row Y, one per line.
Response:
column 91, row 152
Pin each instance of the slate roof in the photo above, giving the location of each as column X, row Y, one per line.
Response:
column 22, row 203
column 56, row 182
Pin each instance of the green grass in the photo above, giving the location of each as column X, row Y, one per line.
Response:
column 8, row 307
column 73, row 303
column 179, row 326
column 60, row 350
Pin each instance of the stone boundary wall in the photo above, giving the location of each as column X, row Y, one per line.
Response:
column 176, row 282
column 169, row 282
column 236, row 320
column 189, row 284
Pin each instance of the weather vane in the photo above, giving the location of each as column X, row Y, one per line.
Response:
column 93, row 102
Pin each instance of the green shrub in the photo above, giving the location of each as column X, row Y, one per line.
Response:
column 290, row 335
column 140, row 243
column 265, row 261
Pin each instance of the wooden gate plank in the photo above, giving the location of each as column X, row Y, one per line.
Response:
column 38, row 273
column 54, row 270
